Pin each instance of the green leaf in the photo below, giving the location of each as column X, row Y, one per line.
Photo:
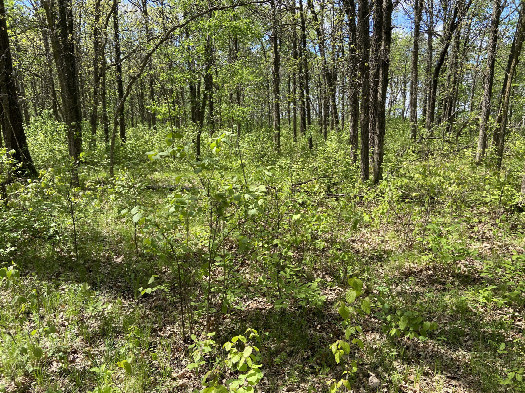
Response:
column 344, row 311
column 356, row 284
column 403, row 322
column 247, row 352
column 137, row 217
column 366, row 305
column 345, row 346
column 37, row 352
column 126, row 365
column 351, row 296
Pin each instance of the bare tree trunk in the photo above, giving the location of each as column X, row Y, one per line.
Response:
column 353, row 62
column 364, row 70
column 418, row 6
column 383, row 63
column 295, row 57
column 325, row 95
column 306, row 72
column 13, row 127
column 152, row 118
column 60, row 21
column 489, row 79
column 96, row 71
column 118, row 69
column 459, row 12
column 515, row 51
column 276, row 63
column 430, row 55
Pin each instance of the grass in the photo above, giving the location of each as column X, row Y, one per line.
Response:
column 269, row 246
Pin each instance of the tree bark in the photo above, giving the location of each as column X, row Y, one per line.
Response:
column 13, row 127
column 118, row 68
column 383, row 64
column 460, row 10
column 489, row 80
column 515, row 51
column 353, row 63
column 59, row 17
column 418, row 6
column 364, row 70
column 276, row 66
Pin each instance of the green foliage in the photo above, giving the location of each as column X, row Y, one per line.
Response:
column 354, row 306
column 239, row 362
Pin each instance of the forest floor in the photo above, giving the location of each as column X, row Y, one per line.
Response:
column 134, row 284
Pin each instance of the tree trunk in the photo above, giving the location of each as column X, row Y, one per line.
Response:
column 325, row 94
column 60, row 21
column 276, row 66
column 118, row 76
column 418, row 6
column 430, row 55
column 96, row 72
column 295, row 57
column 353, row 63
column 515, row 51
column 364, row 70
column 489, row 79
column 458, row 14
column 152, row 118
column 13, row 127
column 383, row 64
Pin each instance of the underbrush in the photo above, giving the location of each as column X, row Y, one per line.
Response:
column 249, row 270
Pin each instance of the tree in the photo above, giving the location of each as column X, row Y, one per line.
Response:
column 383, row 64
column 510, row 71
column 10, row 112
column 119, row 112
column 276, row 67
column 59, row 17
column 418, row 6
column 489, row 79
column 353, row 62
column 364, row 73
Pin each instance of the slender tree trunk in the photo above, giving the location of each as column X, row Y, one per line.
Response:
column 375, row 69
column 302, row 75
column 96, row 71
column 324, row 92
column 353, row 84
column 60, row 22
column 489, row 79
column 418, row 6
column 276, row 67
column 118, row 69
column 458, row 13
column 430, row 55
column 152, row 118
column 13, row 127
column 306, row 72
column 364, row 70
column 104, row 101
column 515, row 51
column 295, row 57
column 383, row 63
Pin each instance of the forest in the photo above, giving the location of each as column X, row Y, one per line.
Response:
column 262, row 196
